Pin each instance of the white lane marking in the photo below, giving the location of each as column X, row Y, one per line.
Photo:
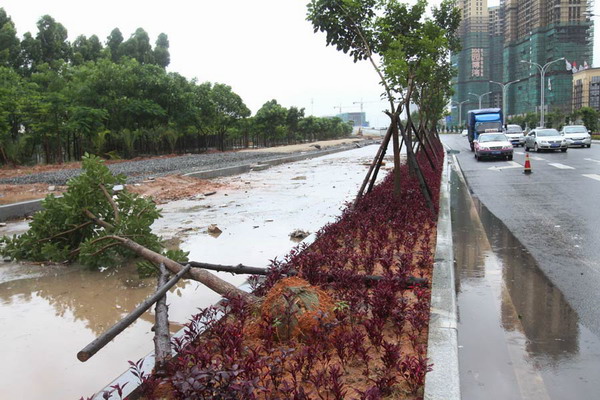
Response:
column 536, row 158
column 592, row 176
column 519, row 152
column 512, row 164
column 560, row 166
column 591, row 159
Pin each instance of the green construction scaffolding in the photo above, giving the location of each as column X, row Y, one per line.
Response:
column 489, row 57
column 473, row 75
column 571, row 41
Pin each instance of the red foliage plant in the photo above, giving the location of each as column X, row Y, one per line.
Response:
column 369, row 345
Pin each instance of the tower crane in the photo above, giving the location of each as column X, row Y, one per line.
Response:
column 340, row 108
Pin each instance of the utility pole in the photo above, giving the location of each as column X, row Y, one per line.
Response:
column 460, row 112
column 543, row 84
column 480, row 97
column 504, row 87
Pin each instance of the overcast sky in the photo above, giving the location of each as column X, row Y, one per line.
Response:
column 263, row 49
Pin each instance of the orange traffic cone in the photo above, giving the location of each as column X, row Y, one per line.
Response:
column 527, row 164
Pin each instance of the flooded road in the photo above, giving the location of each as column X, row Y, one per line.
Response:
column 518, row 337
column 49, row 313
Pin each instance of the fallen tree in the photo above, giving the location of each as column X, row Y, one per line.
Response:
column 98, row 223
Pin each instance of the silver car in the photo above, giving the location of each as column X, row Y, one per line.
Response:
column 577, row 135
column 515, row 135
column 545, row 139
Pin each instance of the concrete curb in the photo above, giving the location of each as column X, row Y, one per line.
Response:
column 19, row 210
column 443, row 381
column 240, row 169
column 23, row 209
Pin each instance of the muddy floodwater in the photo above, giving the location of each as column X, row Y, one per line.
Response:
column 518, row 337
column 49, row 313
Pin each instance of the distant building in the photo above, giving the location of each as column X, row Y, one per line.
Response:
column 495, row 41
column 586, row 89
column 357, row 118
column 542, row 31
column 472, row 61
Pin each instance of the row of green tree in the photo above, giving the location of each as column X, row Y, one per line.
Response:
column 59, row 100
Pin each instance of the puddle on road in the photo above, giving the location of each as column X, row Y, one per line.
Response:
column 518, row 337
column 48, row 314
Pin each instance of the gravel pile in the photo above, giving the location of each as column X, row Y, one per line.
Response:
column 139, row 170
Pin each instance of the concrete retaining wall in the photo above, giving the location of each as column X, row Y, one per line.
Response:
column 19, row 210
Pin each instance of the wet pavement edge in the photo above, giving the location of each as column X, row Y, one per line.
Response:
column 442, row 348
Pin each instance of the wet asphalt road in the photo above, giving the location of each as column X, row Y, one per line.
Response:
column 518, row 336
column 554, row 212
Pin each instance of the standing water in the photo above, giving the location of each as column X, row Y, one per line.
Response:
column 518, row 337
column 49, row 313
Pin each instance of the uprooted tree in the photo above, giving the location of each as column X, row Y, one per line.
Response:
column 98, row 226
column 410, row 53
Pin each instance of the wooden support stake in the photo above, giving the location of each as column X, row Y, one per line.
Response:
column 209, row 280
column 102, row 340
column 242, row 269
column 412, row 160
column 234, row 269
column 384, row 144
column 162, row 336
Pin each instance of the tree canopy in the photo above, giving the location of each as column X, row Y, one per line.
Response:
column 59, row 100
column 410, row 53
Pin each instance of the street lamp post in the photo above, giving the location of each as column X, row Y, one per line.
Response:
column 479, row 96
column 543, row 84
column 504, row 87
column 460, row 112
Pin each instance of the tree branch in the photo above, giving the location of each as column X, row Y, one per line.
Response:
column 111, row 201
column 369, row 54
column 98, row 221
column 66, row 232
column 108, row 246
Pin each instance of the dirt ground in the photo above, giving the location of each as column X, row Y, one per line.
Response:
column 162, row 189
column 296, row 148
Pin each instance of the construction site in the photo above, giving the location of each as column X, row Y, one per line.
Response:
column 505, row 49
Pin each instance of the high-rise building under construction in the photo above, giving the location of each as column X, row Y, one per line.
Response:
column 504, row 43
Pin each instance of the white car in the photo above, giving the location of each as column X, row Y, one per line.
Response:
column 577, row 135
column 545, row 139
column 515, row 135
column 493, row 145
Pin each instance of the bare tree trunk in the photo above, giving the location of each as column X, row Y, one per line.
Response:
column 396, row 144
column 423, row 145
column 214, row 283
column 3, row 155
column 412, row 160
column 162, row 337
column 372, row 183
